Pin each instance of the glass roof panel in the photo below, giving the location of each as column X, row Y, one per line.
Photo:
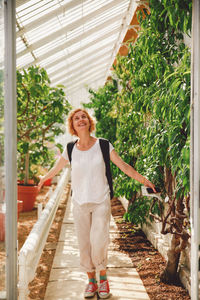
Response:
column 82, row 55
column 53, row 64
column 54, row 25
column 52, row 58
column 71, row 80
column 64, row 35
column 57, row 67
column 50, row 26
column 57, row 42
column 75, row 69
column 58, row 21
column 85, row 79
column 35, row 9
column 106, row 15
column 26, row 59
column 81, row 11
column 101, row 33
column 62, row 39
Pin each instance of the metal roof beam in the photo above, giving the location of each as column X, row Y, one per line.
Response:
column 99, row 39
column 81, row 61
column 49, row 16
column 79, row 70
column 69, row 27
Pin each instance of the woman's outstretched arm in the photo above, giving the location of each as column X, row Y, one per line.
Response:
column 130, row 171
column 60, row 163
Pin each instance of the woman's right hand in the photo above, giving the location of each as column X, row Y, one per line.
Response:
column 60, row 163
column 41, row 182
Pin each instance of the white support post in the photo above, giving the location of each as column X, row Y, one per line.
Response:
column 10, row 150
column 195, row 150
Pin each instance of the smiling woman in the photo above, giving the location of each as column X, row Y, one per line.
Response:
column 91, row 193
column 77, row 115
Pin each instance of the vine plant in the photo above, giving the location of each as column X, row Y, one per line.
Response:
column 152, row 114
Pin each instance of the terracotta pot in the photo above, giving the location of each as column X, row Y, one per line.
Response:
column 27, row 194
column 48, row 182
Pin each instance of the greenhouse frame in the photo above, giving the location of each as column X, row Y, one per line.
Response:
column 77, row 43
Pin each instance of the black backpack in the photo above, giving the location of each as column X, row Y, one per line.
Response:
column 104, row 145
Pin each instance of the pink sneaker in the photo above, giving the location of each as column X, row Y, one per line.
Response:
column 90, row 290
column 104, row 290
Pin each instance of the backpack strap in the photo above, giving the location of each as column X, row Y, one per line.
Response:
column 70, row 147
column 104, row 144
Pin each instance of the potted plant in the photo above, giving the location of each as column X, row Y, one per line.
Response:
column 41, row 113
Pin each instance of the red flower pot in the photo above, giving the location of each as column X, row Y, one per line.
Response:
column 48, row 182
column 27, row 194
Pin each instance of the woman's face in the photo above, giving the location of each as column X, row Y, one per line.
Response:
column 80, row 122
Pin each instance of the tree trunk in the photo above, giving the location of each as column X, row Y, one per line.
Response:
column 170, row 274
column 26, row 168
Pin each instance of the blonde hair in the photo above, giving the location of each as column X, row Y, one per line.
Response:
column 70, row 121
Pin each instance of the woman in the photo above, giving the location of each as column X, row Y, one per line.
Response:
column 91, row 197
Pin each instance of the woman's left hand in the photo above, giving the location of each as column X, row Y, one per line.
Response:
column 148, row 183
column 41, row 182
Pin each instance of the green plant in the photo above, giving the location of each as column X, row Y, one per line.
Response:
column 137, row 211
column 153, row 119
column 41, row 113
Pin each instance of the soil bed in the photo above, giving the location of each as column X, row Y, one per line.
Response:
column 146, row 259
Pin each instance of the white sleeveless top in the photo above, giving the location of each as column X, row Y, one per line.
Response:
column 88, row 174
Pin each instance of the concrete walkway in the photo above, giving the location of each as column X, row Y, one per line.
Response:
column 67, row 282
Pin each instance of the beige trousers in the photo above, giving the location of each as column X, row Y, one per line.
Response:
column 92, row 222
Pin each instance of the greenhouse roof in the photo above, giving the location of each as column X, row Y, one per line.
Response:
column 76, row 41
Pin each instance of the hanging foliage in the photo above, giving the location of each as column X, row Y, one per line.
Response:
column 152, row 114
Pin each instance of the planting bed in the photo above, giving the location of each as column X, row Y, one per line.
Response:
column 146, row 259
